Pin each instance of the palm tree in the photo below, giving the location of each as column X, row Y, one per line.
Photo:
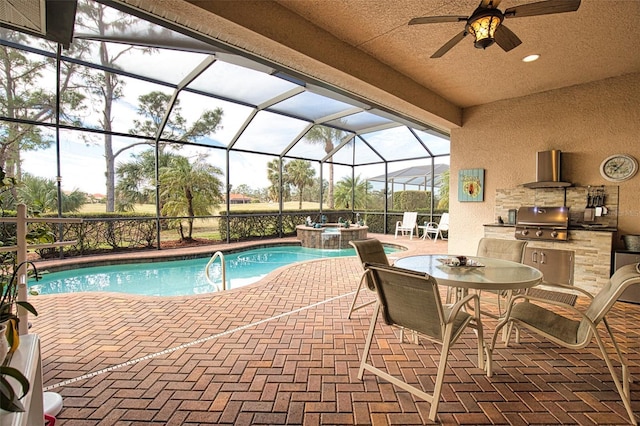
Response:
column 326, row 136
column 190, row 189
column 300, row 174
column 273, row 175
column 348, row 189
column 443, row 202
column 136, row 179
column 41, row 195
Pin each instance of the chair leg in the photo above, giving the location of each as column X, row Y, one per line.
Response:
column 623, row 388
column 499, row 327
column 367, row 345
column 442, row 365
column 394, row 380
column 448, row 297
column 416, row 338
column 355, row 297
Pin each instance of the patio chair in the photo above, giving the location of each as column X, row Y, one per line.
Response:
column 368, row 251
column 408, row 224
column 496, row 248
column 411, row 301
column 572, row 327
column 434, row 229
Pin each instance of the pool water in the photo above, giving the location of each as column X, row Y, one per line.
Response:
column 180, row 277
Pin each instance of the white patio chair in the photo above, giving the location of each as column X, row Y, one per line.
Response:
column 408, row 224
column 434, row 229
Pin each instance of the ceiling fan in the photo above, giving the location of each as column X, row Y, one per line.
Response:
column 485, row 23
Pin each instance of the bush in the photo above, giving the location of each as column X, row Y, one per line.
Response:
column 265, row 224
column 105, row 231
column 411, row 201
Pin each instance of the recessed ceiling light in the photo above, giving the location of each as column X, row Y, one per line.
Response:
column 530, row 58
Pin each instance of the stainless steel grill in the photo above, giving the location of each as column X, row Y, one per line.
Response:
column 542, row 223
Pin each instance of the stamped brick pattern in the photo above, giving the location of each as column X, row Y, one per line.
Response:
column 283, row 352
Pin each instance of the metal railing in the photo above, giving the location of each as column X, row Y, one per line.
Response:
column 223, row 270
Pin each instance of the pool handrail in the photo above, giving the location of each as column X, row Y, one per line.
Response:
column 223, row 269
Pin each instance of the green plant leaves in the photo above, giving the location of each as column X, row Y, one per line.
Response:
column 9, row 399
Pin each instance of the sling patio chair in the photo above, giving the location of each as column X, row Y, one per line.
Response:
column 411, row 301
column 368, row 251
column 408, row 224
column 497, row 248
column 572, row 327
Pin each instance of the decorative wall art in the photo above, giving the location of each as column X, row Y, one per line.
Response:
column 471, row 185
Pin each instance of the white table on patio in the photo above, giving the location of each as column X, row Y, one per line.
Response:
column 495, row 274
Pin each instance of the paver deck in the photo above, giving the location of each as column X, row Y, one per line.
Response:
column 283, row 352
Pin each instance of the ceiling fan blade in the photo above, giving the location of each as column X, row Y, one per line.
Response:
column 542, row 8
column 448, row 45
column 506, row 39
column 491, row 4
column 437, row 19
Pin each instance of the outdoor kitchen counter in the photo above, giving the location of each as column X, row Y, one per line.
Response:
column 571, row 227
column 592, row 248
column 592, row 228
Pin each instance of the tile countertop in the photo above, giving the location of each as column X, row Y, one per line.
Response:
column 597, row 228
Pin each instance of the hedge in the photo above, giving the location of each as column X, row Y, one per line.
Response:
column 100, row 232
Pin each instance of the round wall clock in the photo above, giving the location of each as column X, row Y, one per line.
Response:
column 619, row 167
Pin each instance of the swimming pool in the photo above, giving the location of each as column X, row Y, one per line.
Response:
column 180, row 277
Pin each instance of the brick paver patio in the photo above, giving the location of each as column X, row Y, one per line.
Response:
column 283, row 352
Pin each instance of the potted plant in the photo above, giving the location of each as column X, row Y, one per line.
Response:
column 9, row 399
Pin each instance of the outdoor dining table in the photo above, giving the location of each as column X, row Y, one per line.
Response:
column 485, row 274
column 482, row 273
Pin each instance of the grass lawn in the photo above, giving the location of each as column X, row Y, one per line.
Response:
column 151, row 208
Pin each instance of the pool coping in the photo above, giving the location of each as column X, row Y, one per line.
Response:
column 146, row 257
column 198, row 252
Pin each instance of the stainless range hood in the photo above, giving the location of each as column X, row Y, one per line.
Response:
column 548, row 171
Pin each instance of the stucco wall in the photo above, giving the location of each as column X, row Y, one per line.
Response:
column 587, row 123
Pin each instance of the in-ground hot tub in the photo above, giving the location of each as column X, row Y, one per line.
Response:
column 330, row 235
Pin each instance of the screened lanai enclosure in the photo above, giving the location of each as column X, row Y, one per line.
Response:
column 151, row 133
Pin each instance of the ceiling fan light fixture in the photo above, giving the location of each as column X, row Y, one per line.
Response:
column 482, row 25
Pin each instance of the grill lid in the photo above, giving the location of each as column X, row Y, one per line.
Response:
column 542, row 223
column 557, row 217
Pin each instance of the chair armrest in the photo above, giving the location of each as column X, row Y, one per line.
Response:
column 563, row 288
column 462, row 302
column 543, row 301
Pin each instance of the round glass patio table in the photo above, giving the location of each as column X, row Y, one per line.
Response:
column 495, row 274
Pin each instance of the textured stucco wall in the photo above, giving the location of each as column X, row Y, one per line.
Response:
column 587, row 123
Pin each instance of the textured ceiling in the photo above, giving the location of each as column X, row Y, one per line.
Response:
column 593, row 43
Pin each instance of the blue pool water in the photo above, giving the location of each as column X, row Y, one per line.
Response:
column 180, row 277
